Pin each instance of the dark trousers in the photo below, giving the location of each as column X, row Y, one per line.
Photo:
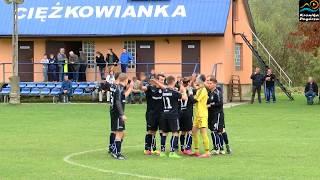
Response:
column 124, row 68
column 270, row 92
column 256, row 89
column 52, row 75
column 310, row 95
column 82, row 73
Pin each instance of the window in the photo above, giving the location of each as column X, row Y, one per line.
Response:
column 131, row 48
column 238, row 57
column 88, row 48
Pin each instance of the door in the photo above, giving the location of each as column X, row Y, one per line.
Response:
column 190, row 57
column 145, row 56
column 25, row 61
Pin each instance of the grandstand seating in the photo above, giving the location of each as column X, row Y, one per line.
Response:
column 52, row 89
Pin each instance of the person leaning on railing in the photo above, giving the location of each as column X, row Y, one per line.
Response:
column 125, row 59
column 83, row 66
column 74, row 65
column 101, row 63
column 45, row 62
column 52, row 68
column 112, row 60
column 62, row 60
column 311, row 90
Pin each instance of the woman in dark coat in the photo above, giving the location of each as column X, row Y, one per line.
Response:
column 101, row 63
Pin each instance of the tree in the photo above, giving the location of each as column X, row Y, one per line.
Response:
column 307, row 37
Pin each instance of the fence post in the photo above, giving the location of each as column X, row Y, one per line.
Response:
column 3, row 73
column 95, row 71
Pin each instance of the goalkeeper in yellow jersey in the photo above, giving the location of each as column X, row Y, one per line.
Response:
column 200, row 117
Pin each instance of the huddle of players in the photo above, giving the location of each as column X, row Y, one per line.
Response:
column 170, row 109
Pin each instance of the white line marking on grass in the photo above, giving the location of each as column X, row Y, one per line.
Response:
column 68, row 160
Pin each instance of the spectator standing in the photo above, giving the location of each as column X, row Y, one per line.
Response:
column 45, row 62
column 83, row 66
column 66, row 90
column 52, row 69
column 270, row 86
column 74, row 65
column 257, row 81
column 101, row 63
column 112, row 60
column 311, row 90
column 125, row 59
column 62, row 60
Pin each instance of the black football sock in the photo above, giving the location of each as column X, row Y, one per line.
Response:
column 111, row 141
column 118, row 147
column 154, row 143
column 225, row 138
column 175, row 143
column 221, row 141
column 189, row 142
column 163, row 143
column 148, row 140
column 215, row 140
column 182, row 140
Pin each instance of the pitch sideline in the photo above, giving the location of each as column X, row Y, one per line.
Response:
column 68, row 160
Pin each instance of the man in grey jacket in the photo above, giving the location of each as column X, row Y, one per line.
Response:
column 75, row 66
column 61, row 61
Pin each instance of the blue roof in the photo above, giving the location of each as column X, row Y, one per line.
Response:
column 116, row 17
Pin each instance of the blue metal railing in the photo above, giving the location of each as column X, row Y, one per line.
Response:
column 194, row 68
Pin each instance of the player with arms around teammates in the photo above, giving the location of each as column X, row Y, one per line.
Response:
column 216, row 117
column 186, row 118
column 170, row 116
column 153, row 114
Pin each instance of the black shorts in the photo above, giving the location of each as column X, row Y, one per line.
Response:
column 216, row 121
column 153, row 119
column 117, row 123
column 169, row 123
column 185, row 121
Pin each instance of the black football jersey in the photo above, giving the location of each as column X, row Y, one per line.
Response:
column 216, row 101
column 117, row 99
column 171, row 101
column 154, row 99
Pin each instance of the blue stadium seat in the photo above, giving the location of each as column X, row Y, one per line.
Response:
column 25, row 91
column 22, row 85
column 41, row 85
column 35, row 92
column 74, row 85
column 78, row 92
column 8, row 86
column 5, row 91
column 55, row 91
column 45, row 91
column 59, row 85
column 51, row 85
column 31, row 85
column 92, row 85
column 83, row 85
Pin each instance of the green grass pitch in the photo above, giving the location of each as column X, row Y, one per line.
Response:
column 270, row 141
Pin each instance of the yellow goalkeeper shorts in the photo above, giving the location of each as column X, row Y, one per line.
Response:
column 200, row 122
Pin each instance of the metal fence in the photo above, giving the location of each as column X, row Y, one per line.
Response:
column 34, row 72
